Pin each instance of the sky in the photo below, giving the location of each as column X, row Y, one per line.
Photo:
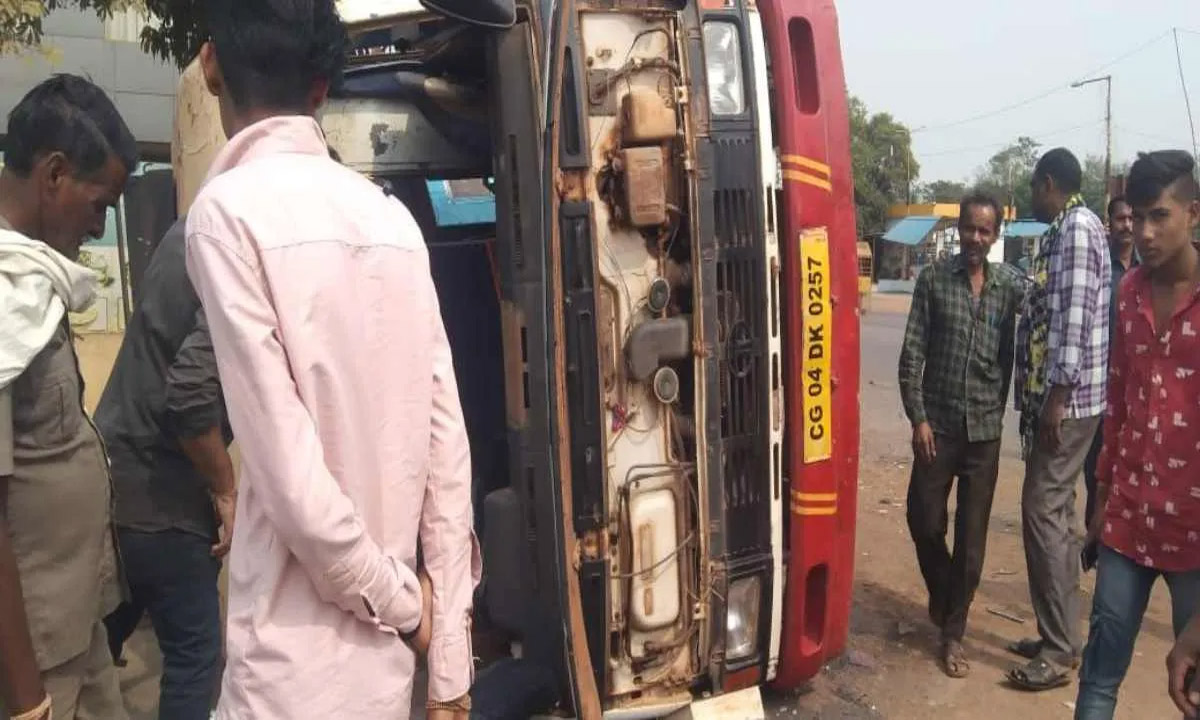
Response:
column 934, row 63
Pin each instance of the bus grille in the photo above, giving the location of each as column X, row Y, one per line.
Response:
column 742, row 337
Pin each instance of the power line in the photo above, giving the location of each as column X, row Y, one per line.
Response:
column 1186, row 98
column 1043, row 95
column 1149, row 136
column 1050, row 133
column 982, row 116
column 1149, row 43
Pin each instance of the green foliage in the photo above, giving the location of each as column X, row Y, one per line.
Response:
column 883, row 163
column 179, row 32
column 1008, row 172
column 941, row 191
column 175, row 33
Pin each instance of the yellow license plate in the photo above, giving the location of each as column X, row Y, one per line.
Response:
column 817, row 311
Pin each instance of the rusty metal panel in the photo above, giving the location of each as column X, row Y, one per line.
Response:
column 381, row 137
column 646, row 117
column 645, row 186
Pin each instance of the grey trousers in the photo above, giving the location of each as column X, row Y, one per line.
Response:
column 1052, row 544
column 86, row 687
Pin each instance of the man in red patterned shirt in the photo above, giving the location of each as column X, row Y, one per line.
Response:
column 1148, row 488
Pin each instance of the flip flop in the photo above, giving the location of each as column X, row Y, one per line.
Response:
column 1028, row 648
column 1037, row 676
column 954, row 660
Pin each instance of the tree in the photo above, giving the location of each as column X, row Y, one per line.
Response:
column 1094, row 190
column 883, row 162
column 175, row 33
column 942, row 191
column 1008, row 172
column 178, row 31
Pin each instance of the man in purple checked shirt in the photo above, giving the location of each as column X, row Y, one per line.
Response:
column 1062, row 371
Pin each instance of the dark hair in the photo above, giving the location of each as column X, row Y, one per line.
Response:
column 272, row 51
column 71, row 115
column 978, row 198
column 1061, row 165
column 1154, row 172
column 1112, row 205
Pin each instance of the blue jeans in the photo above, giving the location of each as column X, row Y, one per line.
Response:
column 1122, row 593
column 173, row 576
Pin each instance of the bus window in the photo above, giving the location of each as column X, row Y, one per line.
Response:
column 804, row 55
column 462, row 202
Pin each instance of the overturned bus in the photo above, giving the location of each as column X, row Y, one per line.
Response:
column 640, row 221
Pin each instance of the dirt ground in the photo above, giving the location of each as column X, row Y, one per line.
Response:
column 889, row 671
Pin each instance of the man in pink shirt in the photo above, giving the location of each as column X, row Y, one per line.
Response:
column 341, row 392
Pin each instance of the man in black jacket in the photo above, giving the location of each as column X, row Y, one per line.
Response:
column 163, row 419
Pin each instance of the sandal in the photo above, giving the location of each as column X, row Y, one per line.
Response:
column 1028, row 648
column 954, row 659
column 1038, row 675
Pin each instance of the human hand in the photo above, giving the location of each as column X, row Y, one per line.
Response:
column 924, row 445
column 420, row 641
column 43, row 710
column 457, row 709
column 1095, row 524
column 226, row 506
column 1181, row 670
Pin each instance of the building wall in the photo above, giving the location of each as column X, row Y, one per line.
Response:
column 141, row 86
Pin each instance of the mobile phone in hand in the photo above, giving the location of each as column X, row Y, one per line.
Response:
column 1089, row 555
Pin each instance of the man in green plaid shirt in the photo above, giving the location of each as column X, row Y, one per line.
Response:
column 955, row 370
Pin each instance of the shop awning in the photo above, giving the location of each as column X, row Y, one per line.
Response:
column 1025, row 229
column 912, row 230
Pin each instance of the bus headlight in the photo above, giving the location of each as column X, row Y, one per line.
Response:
column 723, row 65
column 741, row 618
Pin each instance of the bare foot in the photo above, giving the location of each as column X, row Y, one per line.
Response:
column 954, row 659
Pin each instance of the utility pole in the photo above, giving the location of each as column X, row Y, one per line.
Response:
column 907, row 171
column 1012, row 191
column 1187, row 100
column 908, row 176
column 1107, row 80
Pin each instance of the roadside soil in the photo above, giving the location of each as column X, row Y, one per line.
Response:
column 890, row 670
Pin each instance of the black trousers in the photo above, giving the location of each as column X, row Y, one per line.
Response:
column 173, row 577
column 952, row 578
column 1089, row 473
